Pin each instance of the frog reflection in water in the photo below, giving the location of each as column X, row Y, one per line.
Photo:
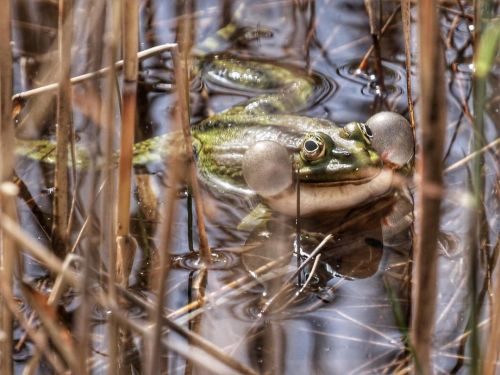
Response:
column 251, row 149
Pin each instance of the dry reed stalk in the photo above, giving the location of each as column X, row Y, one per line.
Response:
column 152, row 362
column 147, row 53
column 125, row 243
column 486, row 41
column 58, row 334
column 189, row 353
column 406, row 16
column 364, row 62
column 199, row 287
column 107, row 114
column 462, row 162
column 375, row 34
column 245, row 281
column 174, row 165
column 60, row 286
column 491, row 356
column 193, row 338
column 185, row 38
column 54, row 264
column 433, row 122
column 7, row 201
column 7, row 264
column 38, row 338
column 63, row 128
column 94, row 18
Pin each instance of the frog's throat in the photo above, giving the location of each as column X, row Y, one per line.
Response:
column 315, row 198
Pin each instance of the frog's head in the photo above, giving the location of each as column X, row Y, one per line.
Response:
column 343, row 156
column 339, row 168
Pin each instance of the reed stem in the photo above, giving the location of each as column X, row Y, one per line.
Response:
column 125, row 244
column 430, row 186
column 7, row 201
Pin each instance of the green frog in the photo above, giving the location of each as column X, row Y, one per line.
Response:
column 263, row 148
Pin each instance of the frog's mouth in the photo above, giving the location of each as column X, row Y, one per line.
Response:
column 326, row 197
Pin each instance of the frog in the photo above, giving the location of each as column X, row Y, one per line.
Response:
column 265, row 147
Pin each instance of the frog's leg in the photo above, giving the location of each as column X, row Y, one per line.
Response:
column 45, row 151
column 279, row 89
column 149, row 151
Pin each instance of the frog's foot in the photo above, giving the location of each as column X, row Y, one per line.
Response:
column 230, row 36
column 258, row 217
column 247, row 35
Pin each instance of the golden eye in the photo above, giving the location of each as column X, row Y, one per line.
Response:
column 313, row 148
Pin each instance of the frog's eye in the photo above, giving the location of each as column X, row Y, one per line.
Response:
column 313, row 148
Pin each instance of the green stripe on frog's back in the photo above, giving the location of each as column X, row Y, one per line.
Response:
column 224, row 139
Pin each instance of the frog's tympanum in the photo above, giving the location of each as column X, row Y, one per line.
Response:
column 261, row 147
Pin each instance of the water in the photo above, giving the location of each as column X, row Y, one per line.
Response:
column 353, row 315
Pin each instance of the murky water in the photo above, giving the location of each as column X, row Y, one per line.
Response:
column 352, row 316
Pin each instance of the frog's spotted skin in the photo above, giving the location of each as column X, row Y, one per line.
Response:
column 333, row 162
column 45, row 151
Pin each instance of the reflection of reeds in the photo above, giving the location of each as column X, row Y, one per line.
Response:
column 430, row 184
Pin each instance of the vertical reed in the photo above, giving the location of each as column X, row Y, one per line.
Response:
column 125, row 243
column 430, row 185
column 185, row 39
column 7, row 201
column 406, row 17
column 108, row 106
column 486, row 38
column 63, row 128
column 375, row 34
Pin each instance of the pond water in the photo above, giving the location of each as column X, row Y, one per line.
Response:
column 352, row 315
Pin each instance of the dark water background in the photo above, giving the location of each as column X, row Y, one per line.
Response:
column 353, row 318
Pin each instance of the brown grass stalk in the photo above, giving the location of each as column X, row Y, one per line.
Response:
column 364, row 62
column 174, row 165
column 406, row 17
column 63, row 128
column 60, row 335
column 373, row 20
column 107, row 114
column 147, row 53
column 181, row 76
column 45, row 256
column 125, row 243
column 7, row 201
column 433, row 121
column 38, row 338
column 493, row 346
